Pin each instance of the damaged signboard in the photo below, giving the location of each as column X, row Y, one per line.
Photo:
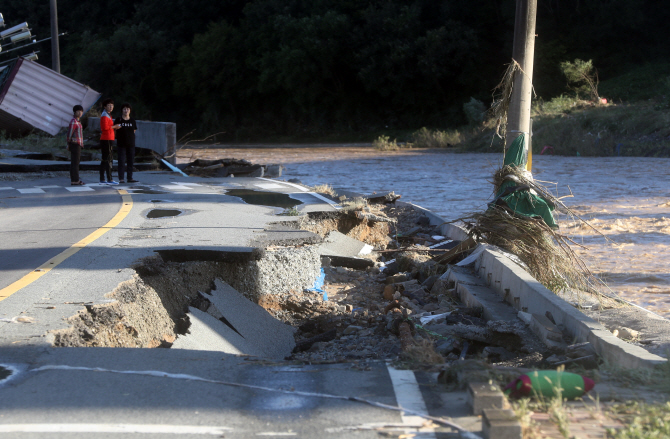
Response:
column 35, row 97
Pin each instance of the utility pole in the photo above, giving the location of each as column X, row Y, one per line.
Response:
column 518, row 115
column 55, row 51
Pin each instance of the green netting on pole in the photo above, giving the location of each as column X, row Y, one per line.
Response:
column 517, row 197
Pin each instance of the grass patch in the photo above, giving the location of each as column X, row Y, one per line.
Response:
column 658, row 377
column 576, row 127
column 641, row 83
column 643, row 421
column 291, row 211
column 36, row 142
column 425, row 138
column 324, row 189
column 353, row 204
column 384, row 143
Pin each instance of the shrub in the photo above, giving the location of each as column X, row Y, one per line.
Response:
column 582, row 77
column 383, row 143
column 559, row 105
column 475, row 111
column 425, row 138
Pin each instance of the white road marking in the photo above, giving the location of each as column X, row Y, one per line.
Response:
column 6, row 188
column 113, row 428
column 31, row 191
column 297, row 186
column 408, row 395
column 272, row 433
column 48, row 187
column 187, row 184
column 79, row 189
column 176, row 187
column 321, row 197
column 270, row 186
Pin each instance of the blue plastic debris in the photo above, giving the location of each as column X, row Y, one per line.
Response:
column 318, row 285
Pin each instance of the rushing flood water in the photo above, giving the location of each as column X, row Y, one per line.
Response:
column 626, row 199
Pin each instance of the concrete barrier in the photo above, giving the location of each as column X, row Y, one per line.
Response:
column 516, row 286
column 160, row 137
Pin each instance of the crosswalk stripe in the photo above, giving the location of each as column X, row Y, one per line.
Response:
column 31, row 191
column 79, row 189
column 176, row 187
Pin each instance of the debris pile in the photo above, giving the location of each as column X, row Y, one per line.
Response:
column 401, row 307
column 230, row 167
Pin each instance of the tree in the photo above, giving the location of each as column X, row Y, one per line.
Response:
column 582, row 78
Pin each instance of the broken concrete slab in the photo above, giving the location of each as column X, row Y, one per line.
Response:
column 388, row 197
column 473, row 293
column 339, row 244
column 485, row 396
column 240, row 254
column 500, row 424
column 349, row 262
column 547, row 331
column 207, row 333
column 286, row 234
column 516, row 286
column 269, row 337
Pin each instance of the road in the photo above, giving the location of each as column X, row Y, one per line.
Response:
column 94, row 236
column 40, row 219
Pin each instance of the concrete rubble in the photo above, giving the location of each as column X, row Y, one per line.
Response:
column 378, row 280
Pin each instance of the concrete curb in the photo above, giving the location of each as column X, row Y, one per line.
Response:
column 518, row 288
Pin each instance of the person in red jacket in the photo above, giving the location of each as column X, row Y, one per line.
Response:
column 107, row 129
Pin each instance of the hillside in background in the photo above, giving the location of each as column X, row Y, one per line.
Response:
column 305, row 69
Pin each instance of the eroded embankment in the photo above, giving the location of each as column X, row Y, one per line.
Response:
column 150, row 310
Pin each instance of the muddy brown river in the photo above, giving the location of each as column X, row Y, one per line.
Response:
column 626, row 198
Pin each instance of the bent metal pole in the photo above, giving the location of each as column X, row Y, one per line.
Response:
column 518, row 116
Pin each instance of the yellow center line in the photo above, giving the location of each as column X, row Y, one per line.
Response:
column 127, row 204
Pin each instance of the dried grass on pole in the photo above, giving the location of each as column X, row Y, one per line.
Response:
column 547, row 254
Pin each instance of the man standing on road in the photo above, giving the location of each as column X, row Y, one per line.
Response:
column 107, row 128
column 75, row 142
column 125, row 139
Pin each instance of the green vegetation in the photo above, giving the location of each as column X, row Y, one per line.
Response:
column 36, row 142
column 425, row 138
column 575, row 127
column 582, row 78
column 384, row 143
column 315, row 70
column 291, row 211
column 643, row 421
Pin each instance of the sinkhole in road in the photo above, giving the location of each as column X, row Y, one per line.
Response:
column 162, row 213
column 263, row 198
column 173, row 299
column 178, row 303
column 4, row 373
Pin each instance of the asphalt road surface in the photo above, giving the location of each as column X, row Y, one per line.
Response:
column 40, row 218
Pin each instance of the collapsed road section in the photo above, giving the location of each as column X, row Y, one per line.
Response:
column 378, row 279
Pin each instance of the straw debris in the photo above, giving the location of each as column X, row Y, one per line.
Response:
column 547, row 254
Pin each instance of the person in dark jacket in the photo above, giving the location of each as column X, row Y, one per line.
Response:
column 125, row 143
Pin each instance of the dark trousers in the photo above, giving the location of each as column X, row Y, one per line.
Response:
column 75, row 157
column 126, row 158
column 106, row 162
